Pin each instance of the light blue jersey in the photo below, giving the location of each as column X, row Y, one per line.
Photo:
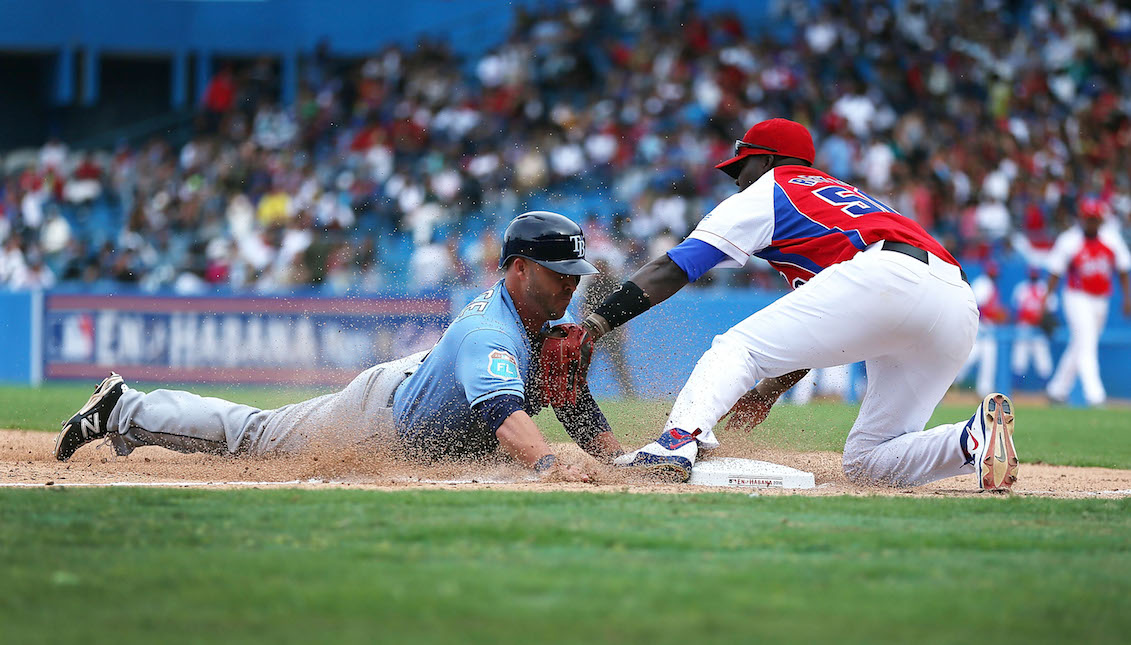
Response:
column 483, row 354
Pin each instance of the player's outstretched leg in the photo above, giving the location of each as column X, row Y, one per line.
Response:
column 92, row 420
column 670, row 457
column 988, row 443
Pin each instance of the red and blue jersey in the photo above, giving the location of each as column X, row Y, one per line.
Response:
column 803, row 221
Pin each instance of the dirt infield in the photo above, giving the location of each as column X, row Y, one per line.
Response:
column 26, row 460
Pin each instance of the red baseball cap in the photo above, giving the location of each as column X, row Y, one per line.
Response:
column 780, row 137
column 1091, row 207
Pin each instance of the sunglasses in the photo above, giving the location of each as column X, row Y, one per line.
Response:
column 740, row 144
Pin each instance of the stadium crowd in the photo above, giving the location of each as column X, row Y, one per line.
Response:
column 985, row 120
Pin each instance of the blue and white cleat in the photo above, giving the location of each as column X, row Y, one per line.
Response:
column 670, row 457
column 989, row 444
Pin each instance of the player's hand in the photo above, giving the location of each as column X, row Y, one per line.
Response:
column 751, row 410
column 1126, row 306
column 568, row 473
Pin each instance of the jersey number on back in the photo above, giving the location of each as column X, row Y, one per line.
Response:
column 852, row 201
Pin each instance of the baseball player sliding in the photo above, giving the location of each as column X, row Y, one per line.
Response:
column 869, row 285
column 493, row 369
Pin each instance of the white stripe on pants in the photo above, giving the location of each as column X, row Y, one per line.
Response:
column 912, row 323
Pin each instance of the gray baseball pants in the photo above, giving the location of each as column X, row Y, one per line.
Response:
column 186, row 422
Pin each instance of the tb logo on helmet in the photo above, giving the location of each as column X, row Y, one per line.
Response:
column 578, row 245
column 549, row 239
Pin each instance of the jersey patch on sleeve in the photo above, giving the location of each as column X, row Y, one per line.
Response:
column 502, row 364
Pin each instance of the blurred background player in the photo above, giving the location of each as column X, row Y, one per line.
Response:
column 1085, row 256
column 474, row 392
column 991, row 314
column 1031, row 331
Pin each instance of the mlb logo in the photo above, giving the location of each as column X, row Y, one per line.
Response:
column 502, row 364
column 76, row 337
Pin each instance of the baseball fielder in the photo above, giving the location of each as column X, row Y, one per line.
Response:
column 1086, row 254
column 991, row 313
column 869, row 284
column 1031, row 343
column 492, row 370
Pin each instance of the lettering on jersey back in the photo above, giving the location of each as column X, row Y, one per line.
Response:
column 852, row 201
column 813, row 180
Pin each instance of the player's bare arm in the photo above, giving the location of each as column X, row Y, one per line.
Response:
column 652, row 284
column 660, row 279
column 604, row 447
column 754, row 406
column 521, row 439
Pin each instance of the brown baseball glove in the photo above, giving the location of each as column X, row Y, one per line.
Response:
column 564, row 363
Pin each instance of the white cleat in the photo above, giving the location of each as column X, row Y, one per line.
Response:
column 990, row 444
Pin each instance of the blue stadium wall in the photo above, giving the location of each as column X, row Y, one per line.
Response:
column 254, row 26
column 69, row 65
column 326, row 341
column 286, row 29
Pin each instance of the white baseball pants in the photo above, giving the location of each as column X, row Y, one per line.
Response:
column 1086, row 315
column 984, row 355
column 912, row 323
column 186, row 422
column 1031, row 346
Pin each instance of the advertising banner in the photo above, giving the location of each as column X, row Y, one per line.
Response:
column 324, row 341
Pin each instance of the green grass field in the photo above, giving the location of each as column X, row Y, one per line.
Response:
column 351, row 566
column 340, row 566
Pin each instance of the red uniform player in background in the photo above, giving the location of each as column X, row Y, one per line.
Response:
column 1031, row 342
column 991, row 313
column 1086, row 255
